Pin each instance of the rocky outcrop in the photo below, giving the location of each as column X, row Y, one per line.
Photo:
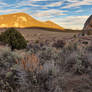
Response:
column 87, row 25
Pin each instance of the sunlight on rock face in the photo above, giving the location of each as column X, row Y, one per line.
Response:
column 16, row 24
column 2, row 17
column 23, row 18
column 3, row 25
column 14, row 16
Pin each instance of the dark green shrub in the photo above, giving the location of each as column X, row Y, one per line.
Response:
column 13, row 38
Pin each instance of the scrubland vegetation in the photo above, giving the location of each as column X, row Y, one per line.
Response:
column 63, row 66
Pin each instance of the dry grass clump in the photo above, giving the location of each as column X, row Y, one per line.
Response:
column 29, row 62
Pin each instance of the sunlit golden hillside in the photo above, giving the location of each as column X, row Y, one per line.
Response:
column 23, row 20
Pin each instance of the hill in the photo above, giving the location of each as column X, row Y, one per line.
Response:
column 87, row 29
column 23, row 20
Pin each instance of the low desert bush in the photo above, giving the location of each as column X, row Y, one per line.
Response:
column 8, row 71
column 59, row 44
column 34, row 47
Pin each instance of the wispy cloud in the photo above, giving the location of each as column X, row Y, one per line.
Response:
column 74, row 22
column 79, row 11
column 39, row 0
column 55, row 4
column 78, row 3
column 3, row 4
column 25, row 3
column 12, row 10
column 50, row 13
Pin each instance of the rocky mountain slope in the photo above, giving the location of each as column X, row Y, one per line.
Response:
column 22, row 20
column 88, row 25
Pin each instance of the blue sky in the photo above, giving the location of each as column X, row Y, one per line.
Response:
column 67, row 13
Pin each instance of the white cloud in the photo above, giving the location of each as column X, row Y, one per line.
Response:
column 2, row 3
column 39, row 0
column 73, row 22
column 73, row 0
column 32, row 3
column 79, row 11
column 13, row 10
column 49, row 13
column 55, row 4
column 25, row 3
column 78, row 3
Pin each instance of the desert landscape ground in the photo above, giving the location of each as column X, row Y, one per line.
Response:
column 44, row 58
column 51, row 62
column 45, row 45
column 42, row 34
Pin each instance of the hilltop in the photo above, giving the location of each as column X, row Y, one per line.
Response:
column 23, row 20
